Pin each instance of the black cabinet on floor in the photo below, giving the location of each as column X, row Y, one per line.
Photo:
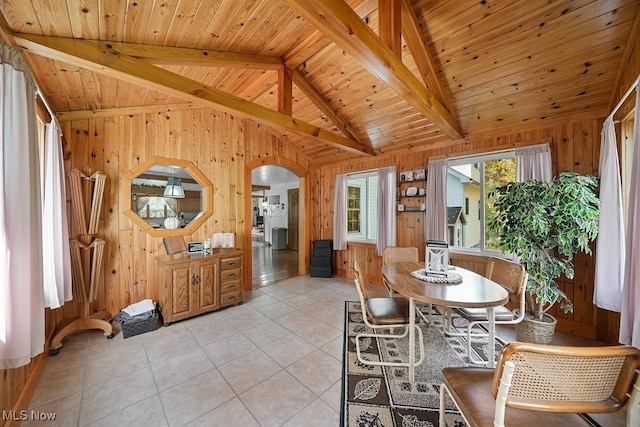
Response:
column 322, row 258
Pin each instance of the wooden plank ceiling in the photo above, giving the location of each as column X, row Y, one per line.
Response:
column 337, row 79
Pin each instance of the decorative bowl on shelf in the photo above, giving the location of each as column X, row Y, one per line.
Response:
column 412, row 191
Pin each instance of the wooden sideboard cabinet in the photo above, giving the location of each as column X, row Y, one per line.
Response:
column 192, row 286
column 231, row 280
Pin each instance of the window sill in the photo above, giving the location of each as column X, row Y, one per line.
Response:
column 361, row 242
column 478, row 252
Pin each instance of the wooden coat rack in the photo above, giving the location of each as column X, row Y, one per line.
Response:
column 86, row 254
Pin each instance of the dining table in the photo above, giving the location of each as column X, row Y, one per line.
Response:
column 473, row 291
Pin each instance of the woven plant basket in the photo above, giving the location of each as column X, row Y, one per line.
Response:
column 536, row 331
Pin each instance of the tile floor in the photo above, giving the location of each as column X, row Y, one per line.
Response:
column 275, row 360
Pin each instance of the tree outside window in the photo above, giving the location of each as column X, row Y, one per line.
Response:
column 469, row 208
column 362, row 207
column 353, row 209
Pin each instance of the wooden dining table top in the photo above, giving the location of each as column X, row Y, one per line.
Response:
column 474, row 291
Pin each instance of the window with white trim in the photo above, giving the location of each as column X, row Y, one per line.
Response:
column 469, row 208
column 627, row 127
column 362, row 206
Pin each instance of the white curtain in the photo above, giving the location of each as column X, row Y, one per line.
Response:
column 21, row 294
column 340, row 214
column 630, row 314
column 387, row 216
column 55, row 232
column 533, row 163
column 610, row 248
column 436, row 201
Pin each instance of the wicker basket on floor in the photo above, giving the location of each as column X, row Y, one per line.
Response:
column 536, row 331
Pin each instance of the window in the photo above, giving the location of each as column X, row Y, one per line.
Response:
column 156, row 207
column 469, row 181
column 362, row 207
column 627, row 126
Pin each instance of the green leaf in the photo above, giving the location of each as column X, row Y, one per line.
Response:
column 533, row 218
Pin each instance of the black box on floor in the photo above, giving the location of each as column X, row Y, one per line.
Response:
column 321, row 271
column 136, row 325
column 324, row 243
column 322, row 252
column 321, row 261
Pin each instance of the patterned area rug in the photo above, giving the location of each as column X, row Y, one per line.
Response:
column 383, row 396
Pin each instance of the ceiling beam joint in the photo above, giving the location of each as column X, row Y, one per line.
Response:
column 100, row 57
column 338, row 22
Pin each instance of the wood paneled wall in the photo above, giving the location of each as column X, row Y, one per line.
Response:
column 222, row 145
column 575, row 147
column 219, row 144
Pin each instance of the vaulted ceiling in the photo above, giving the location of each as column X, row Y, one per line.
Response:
column 337, row 79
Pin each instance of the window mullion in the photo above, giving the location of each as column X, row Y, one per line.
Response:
column 483, row 202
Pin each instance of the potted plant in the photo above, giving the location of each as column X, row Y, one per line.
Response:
column 543, row 224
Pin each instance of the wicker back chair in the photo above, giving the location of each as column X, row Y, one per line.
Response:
column 392, row 254
column 513, row 278
column 385, row 313
column 538, row 384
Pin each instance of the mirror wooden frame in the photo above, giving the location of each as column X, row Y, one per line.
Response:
column 207, row 196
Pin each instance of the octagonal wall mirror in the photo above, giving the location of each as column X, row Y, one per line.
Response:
column 167, row 197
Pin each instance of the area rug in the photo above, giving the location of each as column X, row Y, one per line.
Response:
column 383, row 396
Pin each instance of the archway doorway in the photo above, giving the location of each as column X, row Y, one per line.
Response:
column 277, row 259
column 274, row 234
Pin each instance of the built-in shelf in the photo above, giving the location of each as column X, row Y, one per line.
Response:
column 415, row 178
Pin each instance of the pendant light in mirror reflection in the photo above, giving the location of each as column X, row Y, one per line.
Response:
column 168, row 196
column 174, row 188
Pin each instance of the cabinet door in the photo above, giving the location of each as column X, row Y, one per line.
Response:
column 209, row 287
column 178, row 293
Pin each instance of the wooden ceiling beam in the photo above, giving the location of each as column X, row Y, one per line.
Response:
column 285, row 91
column 629, row 46
column 338, row 22
column 164, row 55
column 317, row 41
column 389, row 26
column 5, row 31
column 320, row 101
column 415, row 42
column 100, row 57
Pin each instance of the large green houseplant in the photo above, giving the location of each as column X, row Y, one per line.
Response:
column 544, row 224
